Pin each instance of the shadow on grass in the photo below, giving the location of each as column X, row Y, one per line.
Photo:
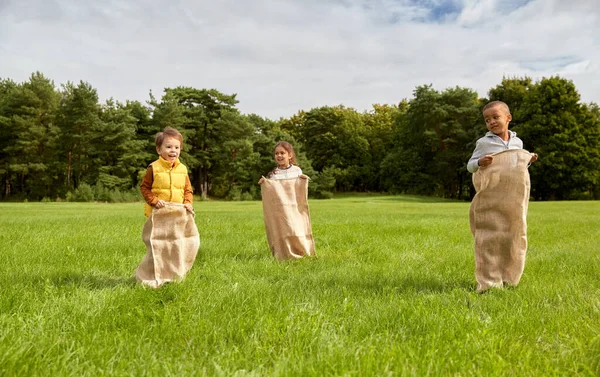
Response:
column 266, row 255
column 419, row 199
column 91, row 281
column 400, row 284
column 364, row 197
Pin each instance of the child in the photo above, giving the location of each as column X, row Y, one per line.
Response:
column 285, row 207
column 497, row 117
column 166, row 179
column 170, row 232
column 285, row 158
column 498, row 212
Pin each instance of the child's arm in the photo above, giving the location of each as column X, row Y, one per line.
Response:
column 473, row 164
column 533, row 158
column 482, row 156
column 485, row 161
column 188, row 195
column 301, row 174
column 270, row 175
column 146, row 189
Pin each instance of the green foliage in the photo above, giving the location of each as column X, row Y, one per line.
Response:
column 207, row 119
column 336, row 137
column 512, row 91
column 381, row 128
column 118, row 151
column 83, row 193
column 79, row 122
column 53, row 140
column 566, row 136
column 323, row 183
column 430, row 150
column 236, row 194
column 100, row 193
column 117, row 196
column 27, row 118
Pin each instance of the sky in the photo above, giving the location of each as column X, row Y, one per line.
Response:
column 282, row 56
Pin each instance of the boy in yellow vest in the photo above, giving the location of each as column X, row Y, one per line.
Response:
column 166, row 179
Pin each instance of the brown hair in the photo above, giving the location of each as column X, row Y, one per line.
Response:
column 288, row 147
column 501, row 104
column 168, row 132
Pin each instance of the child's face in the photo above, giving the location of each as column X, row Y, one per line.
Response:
column 282, row 157
column 170, row 149
column 497, row 120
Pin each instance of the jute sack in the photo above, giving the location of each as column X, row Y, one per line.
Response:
column 172, row 241
column 287, row 219
column 498, row 219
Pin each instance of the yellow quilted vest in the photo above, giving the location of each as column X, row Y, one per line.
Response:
column 168, row 182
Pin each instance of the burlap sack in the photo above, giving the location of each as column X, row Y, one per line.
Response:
column 498, row 219
column 287, row 219
column 172, row 242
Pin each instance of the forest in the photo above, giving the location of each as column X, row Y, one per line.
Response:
column 60, row 143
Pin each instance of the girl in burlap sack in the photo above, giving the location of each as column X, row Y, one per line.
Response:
column 285, row 207
column 287, row 167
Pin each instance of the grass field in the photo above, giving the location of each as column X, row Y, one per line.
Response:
column 391, row 292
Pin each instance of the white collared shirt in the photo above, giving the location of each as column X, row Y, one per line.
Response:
column 291, row 171
column 492, row 143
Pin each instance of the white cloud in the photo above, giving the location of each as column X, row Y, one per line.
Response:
column 282, row 56
column 476, row 12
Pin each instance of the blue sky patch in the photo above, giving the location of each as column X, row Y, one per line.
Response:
column 550, row 63
column 438, row 10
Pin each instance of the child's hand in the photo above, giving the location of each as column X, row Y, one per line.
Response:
column 304, row 176
column 485, row 161
column 189, row 207
column 261, row 180
column 533, row 158
column 160, row 204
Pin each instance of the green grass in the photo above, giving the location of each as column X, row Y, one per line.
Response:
column 392, row 292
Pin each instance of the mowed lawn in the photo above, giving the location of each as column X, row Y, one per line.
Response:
column 391, row 292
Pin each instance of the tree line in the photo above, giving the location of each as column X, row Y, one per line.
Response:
column 60, row 143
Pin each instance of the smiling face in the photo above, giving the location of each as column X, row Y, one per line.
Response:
column 497, row 119
column 169, row 149
column 282, row 157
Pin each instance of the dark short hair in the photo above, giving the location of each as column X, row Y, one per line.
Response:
column 489, row 105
